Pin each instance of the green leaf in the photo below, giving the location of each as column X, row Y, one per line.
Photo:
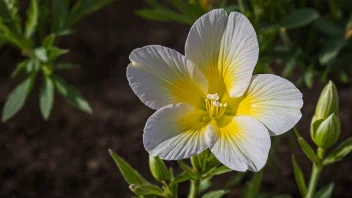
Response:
column 325, row 192
column 185, row 9
column 307, row 149
column 21, row 68
column 7, row 36
column 236, row 179
column 59, row 16
column 186, row 168
column 67, row 66
column 308, row 78
column 32, row 18
column 299, row 177
column 254, row 185
column 180, row 178
column 49, row 41
column 85, row 7
column 330, row 50
column 147, row 190
column 16, row 99
column 54, row 53
column 162, row 15
column 340, row 152
column 299, row 18
column 10, row 17
column 71, row 94
column 205, row 184
column 41, row 54
column 216, row 194
column 329, row 27
column 130, row 175
column 46, row 97
column 219, row 171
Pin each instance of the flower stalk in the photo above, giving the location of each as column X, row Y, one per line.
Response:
column 316, row 170
column 194, row 188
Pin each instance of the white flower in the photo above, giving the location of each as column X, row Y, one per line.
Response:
column 209, row 98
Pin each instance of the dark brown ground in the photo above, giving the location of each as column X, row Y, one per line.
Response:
column 67, row 156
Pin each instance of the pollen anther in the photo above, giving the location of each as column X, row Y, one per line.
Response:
column 214, row 107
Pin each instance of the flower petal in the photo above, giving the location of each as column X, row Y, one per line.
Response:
column 225, row 49
column 274, row 101
column 238, row 54
column 239, row 142
column 160, row 76
column 175, row 132
column 203, row 45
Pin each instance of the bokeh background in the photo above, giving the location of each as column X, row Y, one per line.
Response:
column 67, row 156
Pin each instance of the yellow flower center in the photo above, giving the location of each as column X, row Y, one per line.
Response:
column 214, row 107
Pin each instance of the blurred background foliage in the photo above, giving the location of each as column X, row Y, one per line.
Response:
column 35, row 36
column 303, row 38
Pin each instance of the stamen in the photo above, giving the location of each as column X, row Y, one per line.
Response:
column 214, row 107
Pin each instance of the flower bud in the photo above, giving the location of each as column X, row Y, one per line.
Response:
column 326, row 132
column 328, row 102
column 158, row 169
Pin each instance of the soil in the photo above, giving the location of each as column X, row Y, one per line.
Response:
column 67, row 156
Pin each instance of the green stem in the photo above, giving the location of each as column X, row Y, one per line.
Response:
column 193, row 192
column 316, row 170
column 313, row 180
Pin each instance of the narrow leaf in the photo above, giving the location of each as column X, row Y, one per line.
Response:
column 54, row 53
column 147, row 190
column 49, row 41
column 21, row 68
column 216, row 194
column 299, row 18
column 59, row 16
column 17, row 98
column 185, row 167
column 71, row 94
column 180, row 178
column 219, row 170
column 130, row 174
column 307, row 149
column 254, row 185
column 32, row 18
column 329, row 27
column 299, row 177
column 85, row 7
column 162, row 15
column 325, row 192
column 46, row 97
column 330, row 50
column 340, row 152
